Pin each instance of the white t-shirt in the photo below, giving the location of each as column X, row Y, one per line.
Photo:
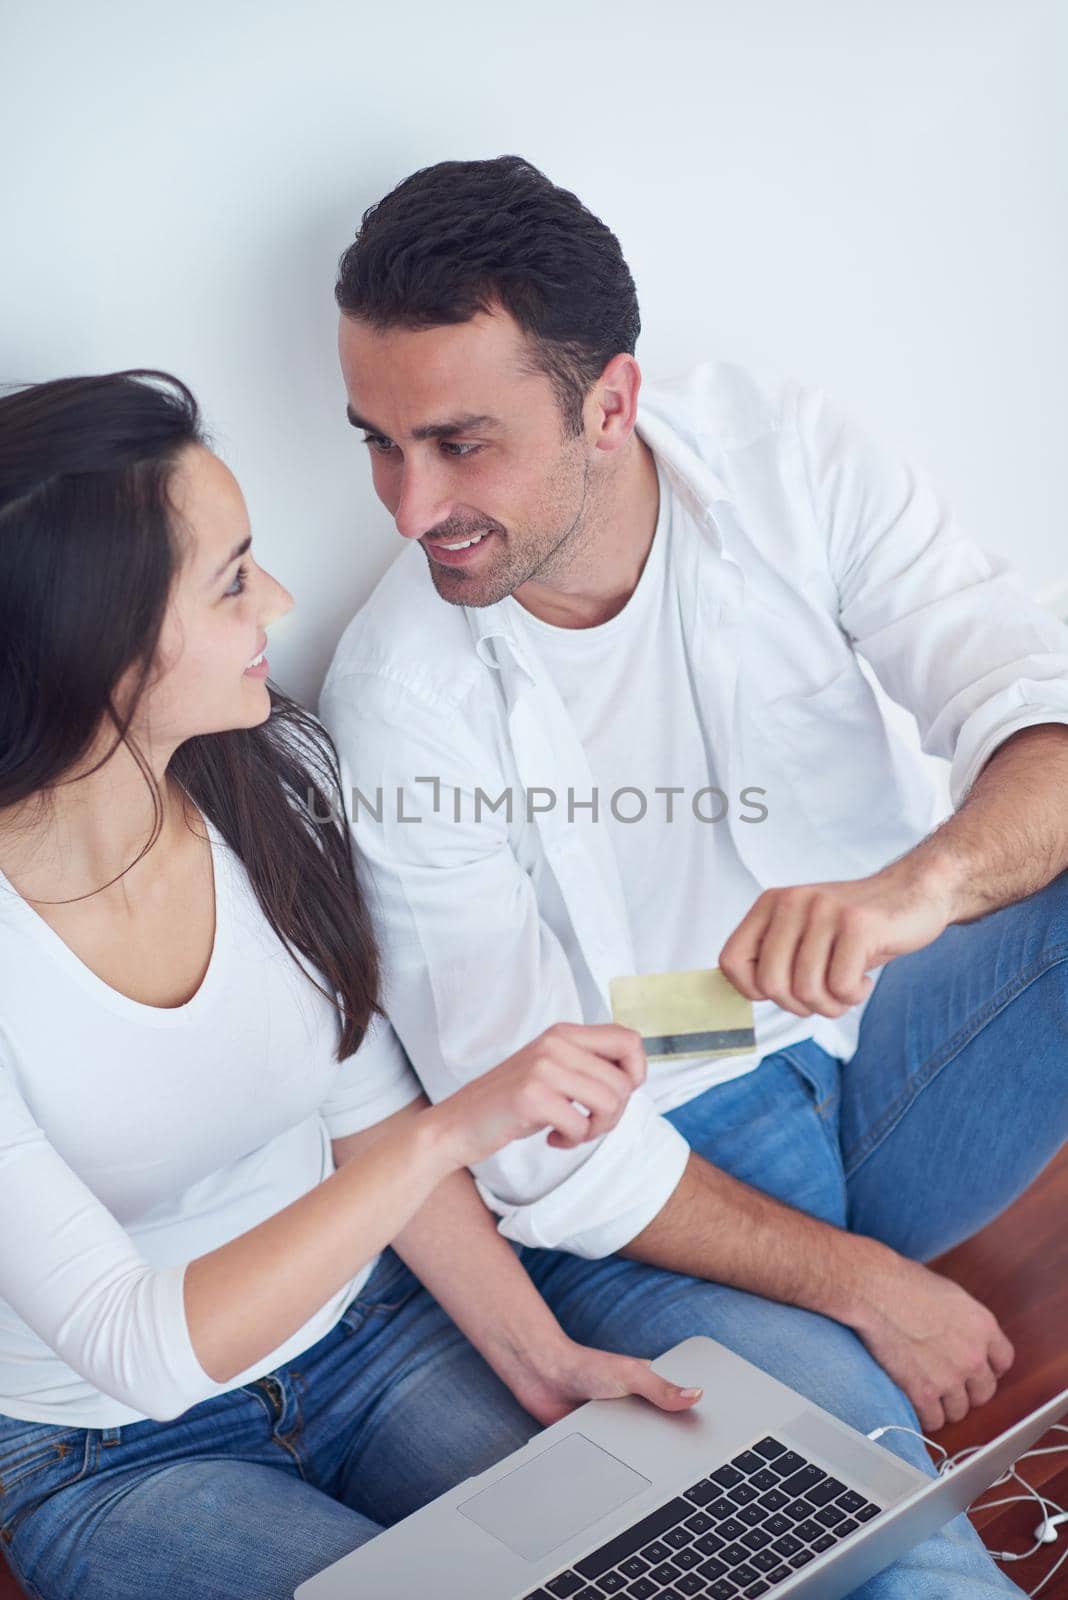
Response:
column 135, row 1138
column 627, row 685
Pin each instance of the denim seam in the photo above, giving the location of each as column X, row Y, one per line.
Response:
column 257, row 1394
column 358, row 1312
column 9, row 1529
column 952, row 1047
column 14, row 1469
column 285, row 1441
column 370, row 1307
column 823, row 1107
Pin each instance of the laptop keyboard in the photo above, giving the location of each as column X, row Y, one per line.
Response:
column 731, row 1536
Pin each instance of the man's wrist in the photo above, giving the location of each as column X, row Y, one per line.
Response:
column 934, row 871
column 857, row 1264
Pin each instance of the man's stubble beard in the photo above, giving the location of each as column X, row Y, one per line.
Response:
column 458, row 589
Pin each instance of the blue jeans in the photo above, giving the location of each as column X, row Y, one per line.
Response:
column 246, row 1495
column 956, row 1098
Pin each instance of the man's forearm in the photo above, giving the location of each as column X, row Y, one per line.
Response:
column 944, row 1349
column 713, row 1226
column 1010, row 836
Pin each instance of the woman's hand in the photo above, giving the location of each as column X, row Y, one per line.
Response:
column 545, row 1085
column 552, row 1383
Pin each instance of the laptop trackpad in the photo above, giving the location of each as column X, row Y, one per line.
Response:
column 550, row 1499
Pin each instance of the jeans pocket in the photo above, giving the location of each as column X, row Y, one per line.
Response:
column 820, row 1073
column 36, row 1460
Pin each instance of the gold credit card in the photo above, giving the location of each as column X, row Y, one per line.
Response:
column 683, row 1015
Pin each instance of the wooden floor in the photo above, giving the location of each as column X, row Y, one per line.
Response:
column 1019, row 1268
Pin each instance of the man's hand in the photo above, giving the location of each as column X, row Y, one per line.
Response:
column 940, row 1346
column 809, row 946
column 552, row 1381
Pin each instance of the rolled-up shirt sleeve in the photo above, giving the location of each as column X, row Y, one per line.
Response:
column 472, row 971
column 947, row 626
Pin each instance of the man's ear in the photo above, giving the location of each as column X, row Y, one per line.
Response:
column 614, row 402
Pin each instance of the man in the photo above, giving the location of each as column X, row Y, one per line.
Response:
column 605, row 716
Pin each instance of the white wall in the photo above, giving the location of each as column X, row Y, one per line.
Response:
column 870, row 196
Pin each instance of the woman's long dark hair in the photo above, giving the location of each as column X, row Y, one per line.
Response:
column 88, row 556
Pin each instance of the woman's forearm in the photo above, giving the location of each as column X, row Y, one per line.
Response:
column 453, row 1247
column 250, row 1295
column 246, row 1298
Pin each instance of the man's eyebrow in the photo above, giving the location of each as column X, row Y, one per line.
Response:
column 430, row 430
column 238, row 550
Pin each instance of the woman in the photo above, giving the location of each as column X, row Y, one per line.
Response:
column 214, row 1376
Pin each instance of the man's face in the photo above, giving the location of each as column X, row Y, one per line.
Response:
column 467, row 443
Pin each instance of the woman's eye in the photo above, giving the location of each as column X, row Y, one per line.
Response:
column 238, row 585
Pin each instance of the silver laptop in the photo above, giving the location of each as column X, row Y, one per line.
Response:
column 754, row 1491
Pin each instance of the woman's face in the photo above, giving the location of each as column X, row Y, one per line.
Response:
column 211, row 674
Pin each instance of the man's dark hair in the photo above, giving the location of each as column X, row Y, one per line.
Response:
column 467, row 236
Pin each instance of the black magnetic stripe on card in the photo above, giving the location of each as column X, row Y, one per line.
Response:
column 677, row 1044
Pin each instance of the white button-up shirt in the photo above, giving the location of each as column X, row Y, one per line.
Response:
column 805, row 545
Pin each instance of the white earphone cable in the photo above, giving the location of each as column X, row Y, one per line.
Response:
column 1053, row 1515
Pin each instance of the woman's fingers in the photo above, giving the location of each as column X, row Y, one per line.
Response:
column 567, row 1084
column 609, row 1041
column 582, row 1074
column 574, row 1079
column 603, row 1102
column 642, row 1380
